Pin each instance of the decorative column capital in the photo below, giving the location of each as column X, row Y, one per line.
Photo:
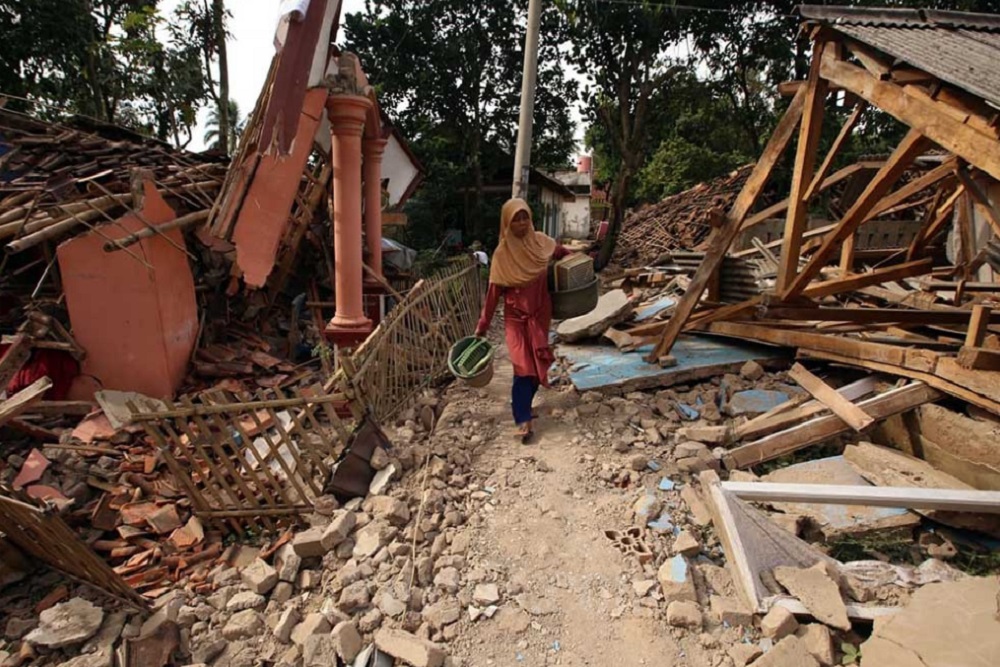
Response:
column 347, row 114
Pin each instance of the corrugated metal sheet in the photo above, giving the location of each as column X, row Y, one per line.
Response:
column 960, row 48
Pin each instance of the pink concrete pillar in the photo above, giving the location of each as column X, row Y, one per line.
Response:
column 372, row 168
column 349, row 325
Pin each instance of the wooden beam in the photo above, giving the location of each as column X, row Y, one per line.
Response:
column 849, row 413
column 22, row 400
column 820, row 429
column 872, row 315
column 932, row 177
column 782, row 206
column 910, row 147
column 835, row 148
column 876, row 277
column 14, row 358
column 950, row 500
column 981, row 199
column 976, row 332
column 725, row 235
column 764, row 424
column 941, row 218
column 979, row 359
column 923, row 115
column 802, row 176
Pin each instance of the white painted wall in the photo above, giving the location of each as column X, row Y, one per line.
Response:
column 576, row 217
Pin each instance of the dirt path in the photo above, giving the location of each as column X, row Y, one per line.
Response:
column 567, row 591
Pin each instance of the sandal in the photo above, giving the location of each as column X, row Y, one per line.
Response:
column 527, row 437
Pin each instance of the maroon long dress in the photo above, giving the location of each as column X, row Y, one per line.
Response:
column 527, row 316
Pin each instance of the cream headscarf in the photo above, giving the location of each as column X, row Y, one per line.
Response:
column 518, row 261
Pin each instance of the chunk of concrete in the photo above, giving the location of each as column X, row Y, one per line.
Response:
column 243, row 625
column 612, row 308
column 789, row 652
column 347, row 640
column 309, row 543
column 676, row 581
column 409, row 648
column 313, row 624
column 259, row 577
column 72, row 622
column 684, row 614
column 339, row 528
column 731, row 611
column 778, row 623
column 687, row 544
column 818, row 641
column 817, row 591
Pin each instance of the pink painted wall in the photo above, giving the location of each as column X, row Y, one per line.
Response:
column 264, row 215
column 137, row 325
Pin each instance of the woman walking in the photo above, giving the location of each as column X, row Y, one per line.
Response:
column 519, row 273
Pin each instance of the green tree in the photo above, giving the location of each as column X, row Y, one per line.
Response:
column 214, row 128
column 448, row 74
column 625, row 50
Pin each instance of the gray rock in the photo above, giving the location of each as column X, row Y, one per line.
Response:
column 260, row 577
column 66, row 624
column 243, row 625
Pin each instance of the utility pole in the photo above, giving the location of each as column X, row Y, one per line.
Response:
column 522, row 158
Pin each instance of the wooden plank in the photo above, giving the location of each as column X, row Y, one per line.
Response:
column 912, row 145
column 810, row 130
column 14, row 358
column 24, row 399
column 976, row 332
column 876, row 277
column 725, row 235
column 851, row 414
column 835, row 148
column 875, row 496
column 981, row 199
column 940, row 219
column 732, row 543
column 766, row 424
column 782, row 206
column 979, row 359
column 923, row 115
column 823, row 428
column 874, row 315
column 932, row 177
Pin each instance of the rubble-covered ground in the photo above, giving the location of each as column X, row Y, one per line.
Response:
column 589, row 547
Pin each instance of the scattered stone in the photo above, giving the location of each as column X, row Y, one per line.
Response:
column 778, row 623
column 752, row 371
column 282, row 593
column 243, row 625
column 646, row 508
column 731, row 611
column 817, row 591
column 381, row 480
column 699, row 510
column 245, row 600
column 379, row 459
column 66, row 624
column 445, row 612
column 643, row 587
column 18, row 627
column 684, row 614
column 486, row 594
column 340, row 527
column 743, row 654
column 287, row 563
column 371, row 538
column 818, row 641
column 260, row 577
column 287, row 621
column 354, row 597
column 319, row 651
column 308, row 580
column 309, row 543
column 638, row 462
column 687, row 544
column 390, row 606
column 347, row 641
column 448, row 579
column 409, row 648
column 789, row 652
column 675, row 580
column 390, row 509
column 313, row 624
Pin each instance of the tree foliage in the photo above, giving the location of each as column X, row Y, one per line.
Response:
column 448, row 72
column 120, row 61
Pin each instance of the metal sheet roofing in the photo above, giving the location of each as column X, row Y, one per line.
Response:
column 961, row 48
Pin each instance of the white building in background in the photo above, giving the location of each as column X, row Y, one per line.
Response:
column 575, row 214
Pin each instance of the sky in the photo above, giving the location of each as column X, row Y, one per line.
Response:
column 250, row 49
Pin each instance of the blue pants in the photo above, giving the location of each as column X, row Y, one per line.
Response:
column 522, row 393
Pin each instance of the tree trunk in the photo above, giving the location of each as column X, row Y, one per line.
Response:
column 618, row 194
column 218, row 20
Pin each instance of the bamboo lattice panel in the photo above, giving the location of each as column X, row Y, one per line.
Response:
column 251, row 462
column 45, row 536
column 409, row 349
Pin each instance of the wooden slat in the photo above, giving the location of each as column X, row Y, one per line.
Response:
column 823, row 428
column 979, row 359
column 875, row 315
column 24, row 399
column 849, row 413
column 876, row 277
column 981, row 317
column 872, row 496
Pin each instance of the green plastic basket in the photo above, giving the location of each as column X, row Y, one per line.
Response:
column 471, row 360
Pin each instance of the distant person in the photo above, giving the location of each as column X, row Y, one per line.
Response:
column 479, row 254
column 519, row 273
